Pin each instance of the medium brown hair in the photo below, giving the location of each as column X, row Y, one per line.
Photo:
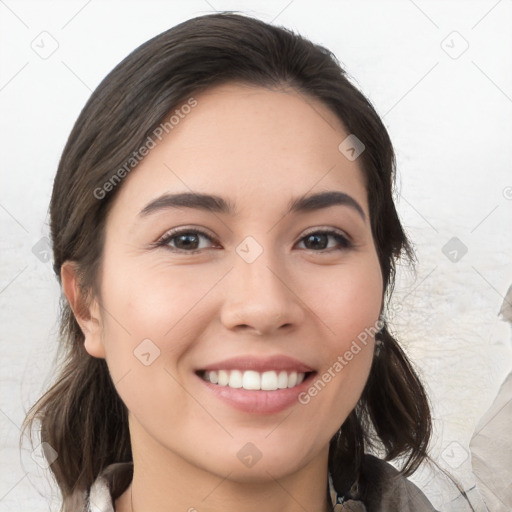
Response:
column 81, row 416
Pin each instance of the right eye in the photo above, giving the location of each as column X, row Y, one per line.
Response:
column 184, row 240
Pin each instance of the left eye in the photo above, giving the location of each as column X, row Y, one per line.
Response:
column 189, row 241
column 322, row 238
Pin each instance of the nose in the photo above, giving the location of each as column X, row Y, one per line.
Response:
column 260, row 298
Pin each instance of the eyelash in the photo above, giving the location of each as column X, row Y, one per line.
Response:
column 344, row 242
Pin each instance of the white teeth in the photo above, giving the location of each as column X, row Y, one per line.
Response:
column 269, row 381
column 252, row 380
column 223, row 378
column 282, row 380
column 235, row 379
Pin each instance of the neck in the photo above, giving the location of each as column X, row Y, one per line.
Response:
column 163, row 481
column 280, row 495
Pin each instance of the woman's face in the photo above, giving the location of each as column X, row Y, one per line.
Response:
column 246, row 288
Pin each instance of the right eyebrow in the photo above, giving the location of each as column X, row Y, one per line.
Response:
column 207, row 202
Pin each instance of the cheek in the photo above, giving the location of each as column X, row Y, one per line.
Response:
column 159, row 303
column 349, row 299
column 348, row 304
column 145, row 331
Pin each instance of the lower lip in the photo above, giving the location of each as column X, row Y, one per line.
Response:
column 258, row 401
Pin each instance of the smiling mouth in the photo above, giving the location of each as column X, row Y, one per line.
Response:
column 253, row 380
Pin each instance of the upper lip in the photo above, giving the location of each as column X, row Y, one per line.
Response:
column 260, row 364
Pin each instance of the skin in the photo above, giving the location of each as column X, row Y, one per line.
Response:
column 257, row 148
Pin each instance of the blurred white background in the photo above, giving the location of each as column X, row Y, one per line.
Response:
column 439, row 74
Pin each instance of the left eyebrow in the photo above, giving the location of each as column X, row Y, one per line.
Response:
column 325, row 200
column 217, row 204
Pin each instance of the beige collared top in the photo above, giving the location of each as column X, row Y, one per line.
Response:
column 382, row 489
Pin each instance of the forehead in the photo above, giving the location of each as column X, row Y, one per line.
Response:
column 247, row 142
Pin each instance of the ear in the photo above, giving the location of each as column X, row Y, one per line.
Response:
column 87, row 316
